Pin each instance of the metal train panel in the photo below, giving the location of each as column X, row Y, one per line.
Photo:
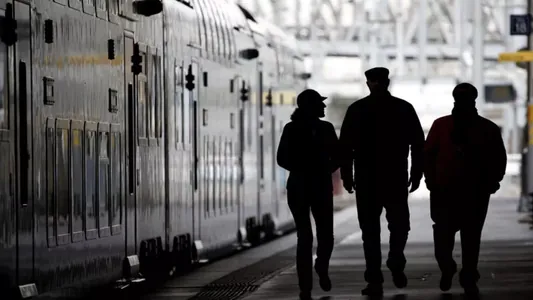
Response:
column 8, row 198
column 77, row 145
column 120, row 163
column 178, row 128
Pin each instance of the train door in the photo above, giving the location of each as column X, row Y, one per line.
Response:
column 8, row 253
column 240, row 87
column 22, row 110
column 262, row 190
column 15, row 136
column 191, row 108
column 131, row 147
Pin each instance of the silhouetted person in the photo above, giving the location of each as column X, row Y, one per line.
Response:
column 375, row 138
column 308, row 149
column 465, row 160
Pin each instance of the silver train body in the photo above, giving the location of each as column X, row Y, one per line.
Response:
column 102, row 166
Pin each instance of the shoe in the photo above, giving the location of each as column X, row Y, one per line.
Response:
column 471, row 291
column 446, row 281
column 373, row 290
column 305, row 296
column 324, row 281
column 399, row 279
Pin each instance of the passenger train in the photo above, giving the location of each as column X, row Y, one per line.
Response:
column 135, row 141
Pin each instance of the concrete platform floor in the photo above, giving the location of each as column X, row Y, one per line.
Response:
column 506, row 261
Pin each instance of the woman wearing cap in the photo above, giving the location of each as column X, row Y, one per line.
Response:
column 308, row 150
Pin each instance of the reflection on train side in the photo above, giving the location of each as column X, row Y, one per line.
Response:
column 3, row 85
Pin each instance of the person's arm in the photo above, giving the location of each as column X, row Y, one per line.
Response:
column 283, row 155
column 333, row 144
column 346, row 145
column 417, row 146
column 431, row 148
column 499, row 159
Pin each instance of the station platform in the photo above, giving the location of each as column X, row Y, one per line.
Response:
column 268, row 271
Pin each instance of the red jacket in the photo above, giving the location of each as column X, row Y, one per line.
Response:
column 479, row 166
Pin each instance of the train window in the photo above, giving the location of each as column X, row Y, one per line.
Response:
column 76, row 4
column 91, row 208
column 113, row 7
column 196, row 91
column 152, row 97
column 213, row 172
column 220, row 174
column 178, row 94
column 141, row 106
column 189, row 3
column 206, row 176
column 185, row 113
column 103, row 182
column 116, row 182
column 124, row 7
column 62, row 183
column 232, row 178
column 88, row 6
column 101, row 8
column 272, row 144
column 50, row 183
column 261, row 157
column 77, row 182
column 4, row 121
column 226, row 169
column 157, row 96
column 261, row 96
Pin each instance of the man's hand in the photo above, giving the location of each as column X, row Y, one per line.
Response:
column 414, row 183
column 348, row 186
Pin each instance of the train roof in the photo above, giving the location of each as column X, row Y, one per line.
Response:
column 273, row 33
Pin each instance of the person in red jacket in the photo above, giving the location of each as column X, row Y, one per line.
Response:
column 464, row 162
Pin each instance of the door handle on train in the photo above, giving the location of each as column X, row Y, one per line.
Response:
column 138, row 177
column 196, row 173
column 11, row 188
column 23, row 142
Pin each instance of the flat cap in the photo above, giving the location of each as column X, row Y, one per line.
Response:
column 377, row 74
column 307, row 96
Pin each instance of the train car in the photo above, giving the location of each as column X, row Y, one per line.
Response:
column 136, row 136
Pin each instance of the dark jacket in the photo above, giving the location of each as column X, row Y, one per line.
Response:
column 376, row 134
column 478, row 165
column 308, row 150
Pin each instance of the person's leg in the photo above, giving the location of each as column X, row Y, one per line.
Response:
column 397, row 214
column 368, row 213
column 471, row 230
column 300, row 210
column 322, row 209
column 444, row 229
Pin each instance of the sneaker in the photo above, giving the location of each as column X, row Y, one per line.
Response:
column 446, row 281
column 324, row 281
column 399, row 279
column 471, row 291
column 305, row 296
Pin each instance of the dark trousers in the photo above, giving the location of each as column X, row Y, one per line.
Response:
column 370, row 204
column 464, row 212
column 302, row 203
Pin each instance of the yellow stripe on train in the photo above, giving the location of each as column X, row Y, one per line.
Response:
column 288, row 96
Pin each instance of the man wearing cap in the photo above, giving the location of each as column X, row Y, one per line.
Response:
column 308, row 149
column 375, row 138
column 464, row 162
